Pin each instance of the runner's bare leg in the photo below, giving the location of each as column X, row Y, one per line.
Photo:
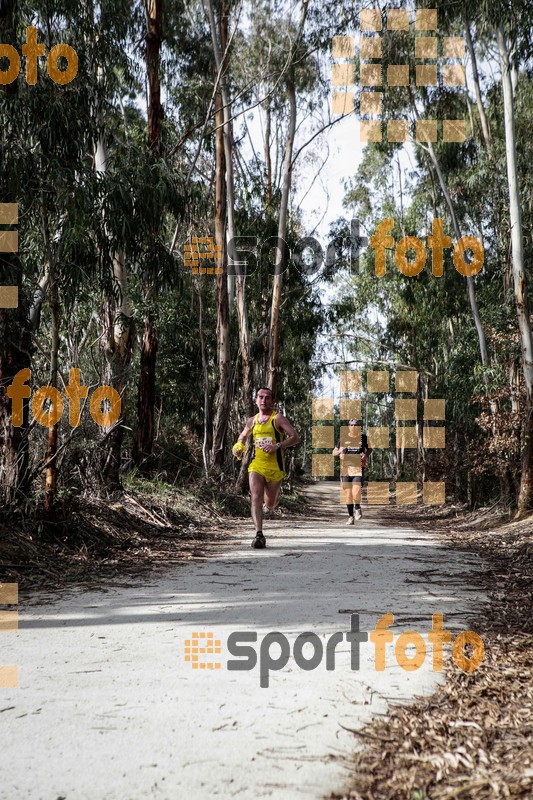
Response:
column 257, row 491
column 272, row 489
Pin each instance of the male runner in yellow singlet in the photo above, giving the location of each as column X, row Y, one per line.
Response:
column 271, row 434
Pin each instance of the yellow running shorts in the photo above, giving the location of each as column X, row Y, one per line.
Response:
column 268, row 473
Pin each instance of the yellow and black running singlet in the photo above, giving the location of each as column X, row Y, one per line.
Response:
column 270, row 465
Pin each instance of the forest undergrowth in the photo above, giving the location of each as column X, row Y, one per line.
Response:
column 95, row 540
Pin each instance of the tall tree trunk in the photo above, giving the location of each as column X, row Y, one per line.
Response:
column 268, row 160
column 220, row 49
column 525, row 496
column 206, row 445
column 485, row 127
column 51, row 470
column 233, row 263
column 469, row 279
column 154, row 21
column 223, row 398
column 487, row 139
column 273, row 364
column 219, row 38
column 286, row 182
column 514, row 394
column 15, row 341
column 144, row 439
column 15, row 335
column 117, row 344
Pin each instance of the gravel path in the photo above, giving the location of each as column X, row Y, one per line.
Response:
column 108, row 709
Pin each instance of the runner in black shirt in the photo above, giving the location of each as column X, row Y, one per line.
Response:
column 355, row 443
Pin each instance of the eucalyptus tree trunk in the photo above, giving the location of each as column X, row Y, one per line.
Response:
column 15, row 343
column 206, row 445
column 154, row 35
column 268, row 160
column 233, row 263
column 525, row 496
column 469, row 279
column 223, row 397
column 485, row 127
column 51, row 470
column 219, row 37
column 487, row 139
column 273, row 362
column 15, row 335
column 117, row 344
column 286, row 182
column 144, row 438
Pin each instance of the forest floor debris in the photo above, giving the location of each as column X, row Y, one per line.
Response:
column 473, row 739
column 95, row 539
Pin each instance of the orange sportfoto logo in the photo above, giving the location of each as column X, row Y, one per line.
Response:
column 32, row 50
column 50, row 396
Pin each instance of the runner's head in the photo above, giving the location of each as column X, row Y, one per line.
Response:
column 354, row 429
column 264, row 399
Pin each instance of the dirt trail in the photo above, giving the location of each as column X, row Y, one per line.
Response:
column 108, row 708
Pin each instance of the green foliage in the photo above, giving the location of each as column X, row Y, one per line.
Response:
column 76, row 220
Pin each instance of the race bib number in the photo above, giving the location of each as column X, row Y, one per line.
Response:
column 261, row 440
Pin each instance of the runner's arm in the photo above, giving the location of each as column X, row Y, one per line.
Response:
column 239, row 448
column 293, row 437
column 366, row 450
column 247, row 430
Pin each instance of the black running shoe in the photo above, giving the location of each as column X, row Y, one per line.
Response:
column 259, row 542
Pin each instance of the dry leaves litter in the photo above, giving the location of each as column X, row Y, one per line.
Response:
column 96, row 540
column 474, row 737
